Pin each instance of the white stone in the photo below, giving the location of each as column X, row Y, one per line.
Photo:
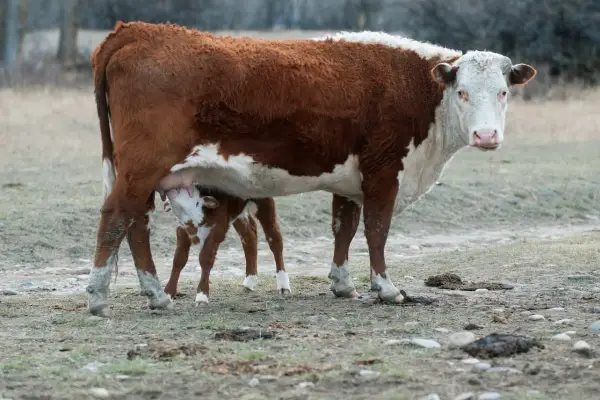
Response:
column 571, row 333
column 536, row 317
column 442, row 330
column 393, row 342
column 481, row 290
column 367, row 372
column 426, row 343
column 305, row 385
column 432, row 396
column 580, row 345
column 566, row 321
column 557, row 309
column 561, row 336
column 470, row 361
column 100, row 393
column 465, row 396
column 410, row 324
column 459, row 339
column 489, row 396
column 254, row 382
column 482, row 366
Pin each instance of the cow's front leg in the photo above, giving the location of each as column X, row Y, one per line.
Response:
column 380, row 195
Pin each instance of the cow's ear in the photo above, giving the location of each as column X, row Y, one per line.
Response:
column 444, row 74
column 210, row 202
column 520, row 74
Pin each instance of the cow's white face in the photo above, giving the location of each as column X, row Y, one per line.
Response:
column 476, row 95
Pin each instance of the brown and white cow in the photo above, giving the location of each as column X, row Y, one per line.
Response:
column 369, row 117
column 204, row 219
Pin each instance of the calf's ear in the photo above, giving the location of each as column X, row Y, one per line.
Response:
column 520, row 74
column 444, row 74
column 210, row 202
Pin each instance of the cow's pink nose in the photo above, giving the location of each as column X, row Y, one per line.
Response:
column 485, row 138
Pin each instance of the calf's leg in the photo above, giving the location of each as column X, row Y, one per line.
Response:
column 182, row 252
column 207, row 258
column 267, row 216
column 345, row 216
column 246, row 230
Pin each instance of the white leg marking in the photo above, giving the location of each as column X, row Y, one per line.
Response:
column 152, row 288
column 387, row 291
column 283, row 283
column 108, row 176
column 341, row 281
column 99, row 287
column 201, row 299
column 250, row 282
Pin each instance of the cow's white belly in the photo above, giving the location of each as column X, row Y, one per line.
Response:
column 240, row 175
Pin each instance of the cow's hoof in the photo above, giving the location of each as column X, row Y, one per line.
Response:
column 347, row 292
column 391, row 297
column 250, row 283
column 160, row 302
column 375, row 287
column 201, row 300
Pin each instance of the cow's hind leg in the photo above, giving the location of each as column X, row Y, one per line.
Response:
column 245, row 227
column 138, row 237
column 267, row 216
column 345, row 216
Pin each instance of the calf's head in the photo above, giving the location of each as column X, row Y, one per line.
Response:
column 476, row 91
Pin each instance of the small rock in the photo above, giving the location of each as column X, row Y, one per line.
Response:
column 580, row 345
column 506, row 370
column 305, row 385
column 100, row 393
column 566, row 321
column 465, row 396
column 367, row 372
column 442, row 330
column 536, row 317
column 254, row 382
column 482, row 366
column 410, row 278
column 595, row 327
column 595, row 310
column 481, row 290
column 561, row 336
column 501, row 319
column 557, row 309
column 7, row 292
column 498, row 310
column 426, row 343
column 92, row 367
column 525, row 313
column 411, row 324
column 470, row 361
column 489, row 396
column 571, row 333
column 393, row 342
column 432, row 396
column 581, row 277
column 268, row 378
column 122, row 377
column 459, row 339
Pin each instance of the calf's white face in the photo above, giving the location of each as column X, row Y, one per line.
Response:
column 476, row 95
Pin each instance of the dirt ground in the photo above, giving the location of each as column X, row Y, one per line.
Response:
column 526, row 215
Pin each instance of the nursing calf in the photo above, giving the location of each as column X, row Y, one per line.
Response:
column 204, row 219
column 369, row 117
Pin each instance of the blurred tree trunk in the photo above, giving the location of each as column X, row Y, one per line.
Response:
column 10, row 31
column 69, row 25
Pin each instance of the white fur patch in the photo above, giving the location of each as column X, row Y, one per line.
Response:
column 189, row 209
column 250, row 282
column 241, row 176
column 108, row 176
column 249, row 209
column 283, row 281
column 201, row 298
column 424, row 49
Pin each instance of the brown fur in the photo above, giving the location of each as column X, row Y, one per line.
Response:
column 227, row 211
column 300, row 105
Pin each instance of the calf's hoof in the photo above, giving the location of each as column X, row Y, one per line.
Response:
column 375, row 287
column 100, row 310
column 98, row 302
column 285, row 292
column 347, row 292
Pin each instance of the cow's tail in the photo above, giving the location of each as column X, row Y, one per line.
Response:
column 99, row 60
